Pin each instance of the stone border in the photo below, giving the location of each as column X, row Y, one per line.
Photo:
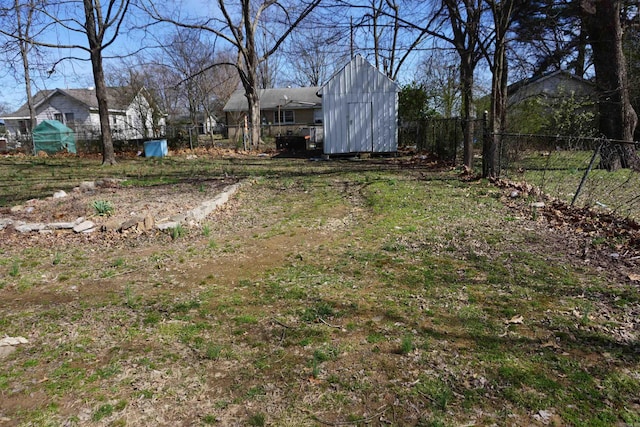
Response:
column 82, row 225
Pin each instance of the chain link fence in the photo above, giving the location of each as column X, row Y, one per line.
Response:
column 442, row 137
column 593, row 173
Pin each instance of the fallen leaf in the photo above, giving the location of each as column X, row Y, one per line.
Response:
column 634, row 277
column 550, row 343
column 515, row 320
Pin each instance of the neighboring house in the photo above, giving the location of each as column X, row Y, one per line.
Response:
column 557, row 103
column 131, row 113
column 555, row 84
column 205, row 124
column 360, row 110
column 282, row 110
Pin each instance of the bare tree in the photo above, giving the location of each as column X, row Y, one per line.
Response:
column 236, row 23
column 395, row 30
column 464, row 19
column 441, row 75
column 100, row 24
column 314, row 55
column 495, row 49
column 19, row 20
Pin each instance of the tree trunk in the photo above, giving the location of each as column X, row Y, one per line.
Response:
column 617, row 118
column 502, row 16
column 108, row 155
column 95, row 52
column 466, row 78
column 23, row 33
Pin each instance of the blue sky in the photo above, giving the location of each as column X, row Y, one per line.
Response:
column 77, row 74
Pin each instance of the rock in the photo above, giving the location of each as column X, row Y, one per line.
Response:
column 538, row 205
column 60, row 194
column 84, row 226
column 87, row 186
column 130, row 223
column 78, row 220
column 16, row 208
column 6, row 350
column 108, row 182
column 29, row 227
column 149, row 223
column 8, row 345
column 112, row 225
column 61, row 225
column 167, row 225
column 4, row 222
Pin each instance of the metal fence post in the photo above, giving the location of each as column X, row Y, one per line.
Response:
column 586, row 172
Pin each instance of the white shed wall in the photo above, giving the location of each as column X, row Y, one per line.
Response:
column 360, row 110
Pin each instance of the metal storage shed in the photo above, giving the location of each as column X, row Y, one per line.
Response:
column 360, row 110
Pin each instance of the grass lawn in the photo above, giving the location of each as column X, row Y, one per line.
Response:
column 376, row 292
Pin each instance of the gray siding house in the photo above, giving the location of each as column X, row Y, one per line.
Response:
column 131, row 113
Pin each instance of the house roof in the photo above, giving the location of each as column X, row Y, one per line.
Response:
column 359, row 75
column 118, row 98
column 270, row 99
column 514, row 87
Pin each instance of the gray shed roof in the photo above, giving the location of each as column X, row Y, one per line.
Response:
column 118, row 98
column 290, row 98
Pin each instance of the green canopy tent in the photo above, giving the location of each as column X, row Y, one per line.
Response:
column 52, row 136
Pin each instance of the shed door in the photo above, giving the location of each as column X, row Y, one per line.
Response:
column 360, row 127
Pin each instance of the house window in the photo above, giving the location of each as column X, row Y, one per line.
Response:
column 24, row 126
column 69, row 118
column 114, row 120
column 317, row 116
column 286, row 116
column 58, row 117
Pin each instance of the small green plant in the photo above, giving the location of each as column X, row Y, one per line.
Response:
column 406, row 346
column 209, row 419
column 103, row 207
column 14, row 271
column 212, row 352
column 206, row 230
column 102, row 412
column 57, row 258
column 177, row 232
column 129, row 297
column 257, row 420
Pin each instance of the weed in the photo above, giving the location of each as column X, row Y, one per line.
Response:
column 130, row 299
column 103, row 411
column 118, row 262
column 14, row 271
column 57, row 258
column 209, row 419
column 177, row 232
column 406, row 345
column 257, row 420
column 206, row 230
column 212, row 351
column 103, row 207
